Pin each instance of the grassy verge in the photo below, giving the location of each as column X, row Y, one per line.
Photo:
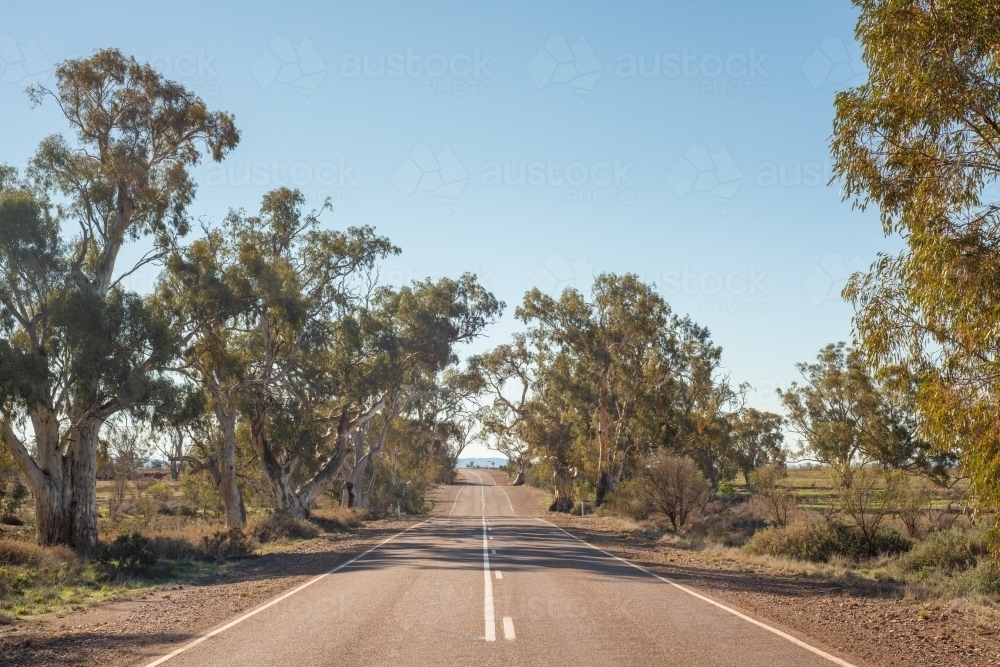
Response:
column 38, row 580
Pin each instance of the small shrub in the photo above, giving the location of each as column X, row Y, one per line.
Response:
column 779, row 499
column 283, row 526
column 227, row 544
column 146, row 509
column 174, row 548
column 814, row 542
column 539, row 475
column 886, row 542
column 15, row 553
column 628, row 500
column 737, row 530
column 672, row 485
column 160, row 491
column 946, row 550
column 128, row 554
column 337, row 519
column 819, row 541
column 727, row 489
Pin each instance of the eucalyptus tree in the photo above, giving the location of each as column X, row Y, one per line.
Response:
column 406, row 357
column 757, row 440
column 849, row 417
column 259, row 299
column 92, row 347
column 919, row 141
column 606, row 337
column 637, row 376
column 505, row 376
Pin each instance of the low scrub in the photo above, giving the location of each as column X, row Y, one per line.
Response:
column 337, row 519
column 628, row 500
column 128, row 555
column 818, row 541
column 947, row 551
column 16, row 553
column 277, row 526
column 227, row 545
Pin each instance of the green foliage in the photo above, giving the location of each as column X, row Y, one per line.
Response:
column 757, row 438
column 539, row 475
column 815, row 541
column 726, row 489
column 918, row 142
column 128, row 555
column 390, row 499
column 947, row 551
column 607, row 377
column 160, row 491
column 200, row 493
column 628, row 499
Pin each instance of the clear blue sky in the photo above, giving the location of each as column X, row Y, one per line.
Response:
column 531, row 143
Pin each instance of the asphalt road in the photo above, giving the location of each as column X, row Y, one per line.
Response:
column 489, row 582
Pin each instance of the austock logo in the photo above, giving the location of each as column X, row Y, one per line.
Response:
column 700, row 170
column 424, row 170
column 557, row 273
column 825, row 282
column 22, row 63
column 284, row 62
column 835, row 62
column 559, row 62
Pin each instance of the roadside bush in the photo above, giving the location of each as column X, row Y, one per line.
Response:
column 779, row 499
column 201, row 494
column 336, row 519
column 814, row 542
column 673, row 486
column 818, row 541
column 226, row 545
column 727, row 489
column 128, row 554
column 174, row 548
column 388, row 500
column 735, row 530
column 628, row 500
column 283, row 526
column 945, row 550
column 539, row 475
column 16, row 553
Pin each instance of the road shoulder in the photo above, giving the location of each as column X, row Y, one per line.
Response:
column 867, row 619
column 154, row 621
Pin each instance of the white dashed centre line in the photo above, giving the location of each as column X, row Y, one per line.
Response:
column 508, row 627
column 499, row 575
column 491, row 626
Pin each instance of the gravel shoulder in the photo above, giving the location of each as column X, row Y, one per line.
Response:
column 873, row 621
column 154, row 621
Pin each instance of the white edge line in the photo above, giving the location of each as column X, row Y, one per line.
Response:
column 276, row 600
column 508, row 498
column 784, row 635
column 455, row 504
